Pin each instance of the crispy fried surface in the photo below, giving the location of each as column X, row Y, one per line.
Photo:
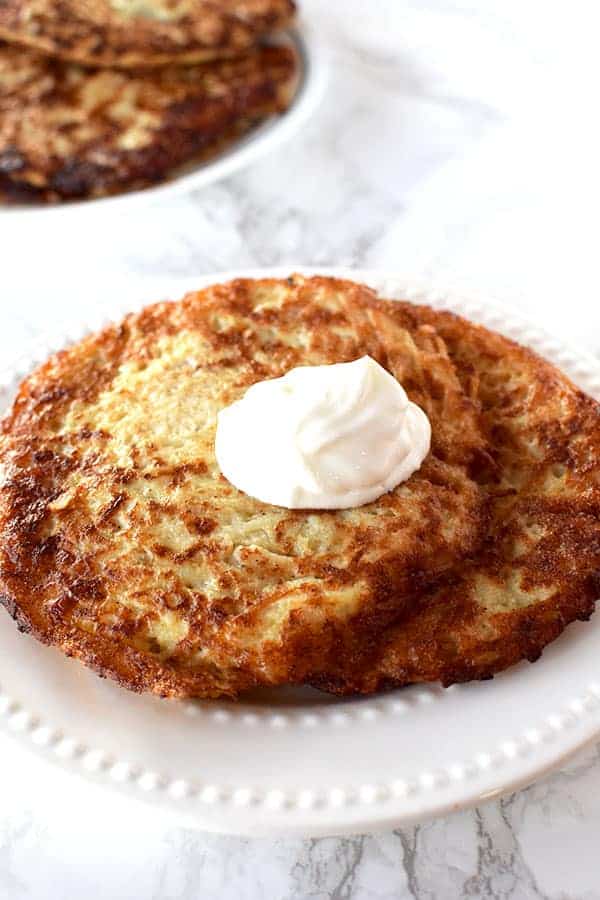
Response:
column 141, row 32
column 68, row 132
column 122, row 544
column 539, row 568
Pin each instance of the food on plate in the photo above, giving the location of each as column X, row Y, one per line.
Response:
column 122, row 543
column 538, row 568
column 123, row 33
column 67, row 132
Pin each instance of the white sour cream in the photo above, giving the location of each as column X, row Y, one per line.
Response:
column 322, row 437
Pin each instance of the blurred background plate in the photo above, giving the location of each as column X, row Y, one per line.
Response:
column 261, row 140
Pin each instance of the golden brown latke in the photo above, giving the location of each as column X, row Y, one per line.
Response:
column 67, row 132
column 121, row 542
column 127, row 33
column 539, row 568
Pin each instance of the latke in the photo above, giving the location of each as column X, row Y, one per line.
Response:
column 539, row 567
column 67, row 132
column 121, row 542
column 123, row 33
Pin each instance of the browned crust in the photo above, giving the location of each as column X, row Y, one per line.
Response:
column 44, row 579
column 95, row 34
column 69, row 133
column 450, row 634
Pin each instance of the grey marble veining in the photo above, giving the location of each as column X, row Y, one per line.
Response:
column 441, row 149
column 59, row 839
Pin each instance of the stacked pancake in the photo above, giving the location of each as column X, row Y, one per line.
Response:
column 103, row 96
column 122, row 543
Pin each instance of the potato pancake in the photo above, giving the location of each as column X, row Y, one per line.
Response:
column 122, row 544
column 67, row 132
column 123, row 33
column 539, row 567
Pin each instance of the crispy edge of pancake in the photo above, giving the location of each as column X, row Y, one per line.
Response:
column 439, row 639
column 55, row 28
column 192, row 128
column 132, row 668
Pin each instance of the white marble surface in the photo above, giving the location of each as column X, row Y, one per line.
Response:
column 456, row 141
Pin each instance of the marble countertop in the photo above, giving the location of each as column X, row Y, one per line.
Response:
column 453, row 143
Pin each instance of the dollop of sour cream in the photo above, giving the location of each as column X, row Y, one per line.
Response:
column 322, row 437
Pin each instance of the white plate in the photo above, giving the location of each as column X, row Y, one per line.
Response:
column 294, row 760
column 260, row 141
